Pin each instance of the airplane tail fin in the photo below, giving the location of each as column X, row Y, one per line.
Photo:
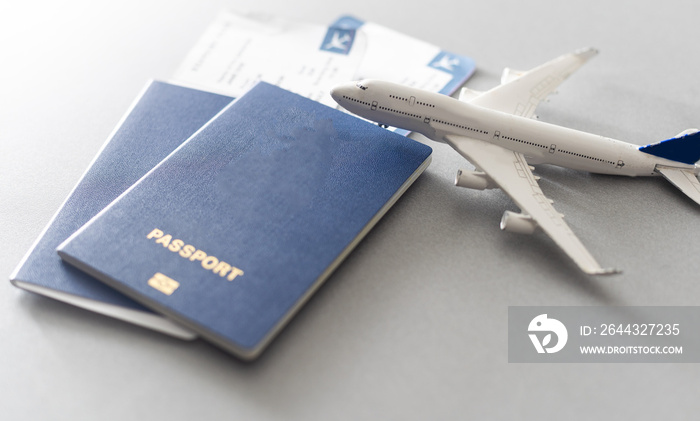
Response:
column 684, row 147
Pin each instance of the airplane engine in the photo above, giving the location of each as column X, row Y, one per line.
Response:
column 476, row 180
column 518, row 223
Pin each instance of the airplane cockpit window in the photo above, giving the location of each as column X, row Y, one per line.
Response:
column 361, row 86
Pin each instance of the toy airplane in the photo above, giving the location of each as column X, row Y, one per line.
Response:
column 495, row 132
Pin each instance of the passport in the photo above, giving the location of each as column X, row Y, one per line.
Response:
column 233, row 232
column 160, row 119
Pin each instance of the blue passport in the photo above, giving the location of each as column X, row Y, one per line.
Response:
column 160, row 119
column 233, row 232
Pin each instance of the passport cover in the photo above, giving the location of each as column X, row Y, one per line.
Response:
column 159, row 120
column 236, row 229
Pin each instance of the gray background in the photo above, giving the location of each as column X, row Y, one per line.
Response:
column 414, row 324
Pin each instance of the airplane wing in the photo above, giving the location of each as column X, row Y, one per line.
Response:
column 523, row 91
column 685, row 180
column 511, row 173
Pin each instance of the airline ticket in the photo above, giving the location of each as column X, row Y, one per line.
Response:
column 236, row 51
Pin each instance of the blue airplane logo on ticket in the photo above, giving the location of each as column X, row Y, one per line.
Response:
column 338, row 40
column 446, row 62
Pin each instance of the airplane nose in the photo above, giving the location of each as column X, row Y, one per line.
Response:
column 339, row 91
column 335, row 93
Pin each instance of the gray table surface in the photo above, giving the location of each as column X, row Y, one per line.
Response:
column 413, row 324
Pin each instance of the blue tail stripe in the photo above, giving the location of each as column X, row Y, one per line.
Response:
column 685, row 149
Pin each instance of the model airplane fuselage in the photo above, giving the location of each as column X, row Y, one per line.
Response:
column 438, row 117
column 494, row 131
